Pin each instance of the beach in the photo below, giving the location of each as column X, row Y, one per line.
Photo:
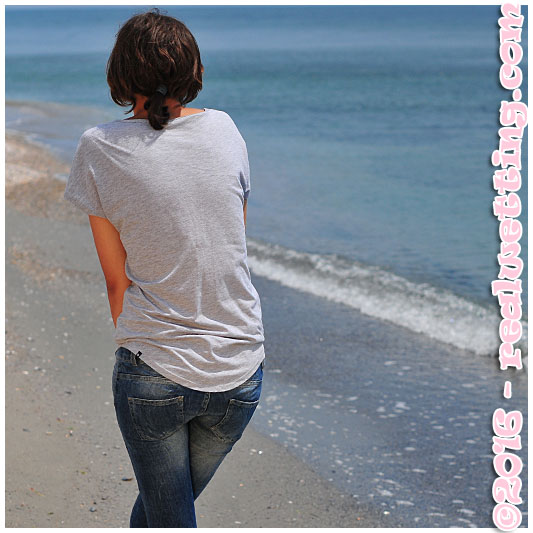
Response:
column 66, row 464
column 362, row 423
column 371, row 241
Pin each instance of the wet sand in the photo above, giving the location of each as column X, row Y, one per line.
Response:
column 66, row 464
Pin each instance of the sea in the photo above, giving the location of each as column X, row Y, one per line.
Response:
column 369, row 132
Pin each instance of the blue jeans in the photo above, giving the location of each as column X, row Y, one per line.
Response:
column 176, row 437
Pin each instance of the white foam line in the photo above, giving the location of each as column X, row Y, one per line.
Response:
column 435, row 312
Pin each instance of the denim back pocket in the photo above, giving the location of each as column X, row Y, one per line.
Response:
column 156, row 419
column 237, row 416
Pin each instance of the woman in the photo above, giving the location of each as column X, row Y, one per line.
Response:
column 166, row 193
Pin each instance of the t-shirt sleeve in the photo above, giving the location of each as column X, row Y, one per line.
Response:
column 245, row 174
column 81, row 188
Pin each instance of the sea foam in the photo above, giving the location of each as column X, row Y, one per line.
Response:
column 420, row 307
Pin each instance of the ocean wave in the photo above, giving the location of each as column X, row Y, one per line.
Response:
column 49, row 109
column 420, row 307
column 54, row 120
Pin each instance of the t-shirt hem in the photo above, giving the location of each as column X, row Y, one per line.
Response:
column 259, row 356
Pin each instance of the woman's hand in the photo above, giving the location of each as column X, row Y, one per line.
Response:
column 112, row 257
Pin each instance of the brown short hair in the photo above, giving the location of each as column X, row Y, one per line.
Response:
column 153, row 49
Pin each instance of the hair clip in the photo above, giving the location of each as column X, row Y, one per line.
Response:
column 162, row 89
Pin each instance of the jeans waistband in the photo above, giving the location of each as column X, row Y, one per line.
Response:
column 123, row 354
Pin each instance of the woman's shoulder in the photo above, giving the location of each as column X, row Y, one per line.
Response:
column 225, row 118
column 219, row 113
column 98, row 130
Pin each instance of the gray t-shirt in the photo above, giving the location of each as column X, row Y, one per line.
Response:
column 176, row 197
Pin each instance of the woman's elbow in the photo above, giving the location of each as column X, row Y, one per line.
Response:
column 117, row 285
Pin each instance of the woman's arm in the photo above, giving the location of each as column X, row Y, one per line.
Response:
column 112, row 257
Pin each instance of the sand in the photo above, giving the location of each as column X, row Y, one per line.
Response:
column 66, row 464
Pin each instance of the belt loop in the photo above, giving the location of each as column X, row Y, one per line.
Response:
column 262, row 364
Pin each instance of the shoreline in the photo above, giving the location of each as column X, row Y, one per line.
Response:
column 66, row 464
column 32, row 186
